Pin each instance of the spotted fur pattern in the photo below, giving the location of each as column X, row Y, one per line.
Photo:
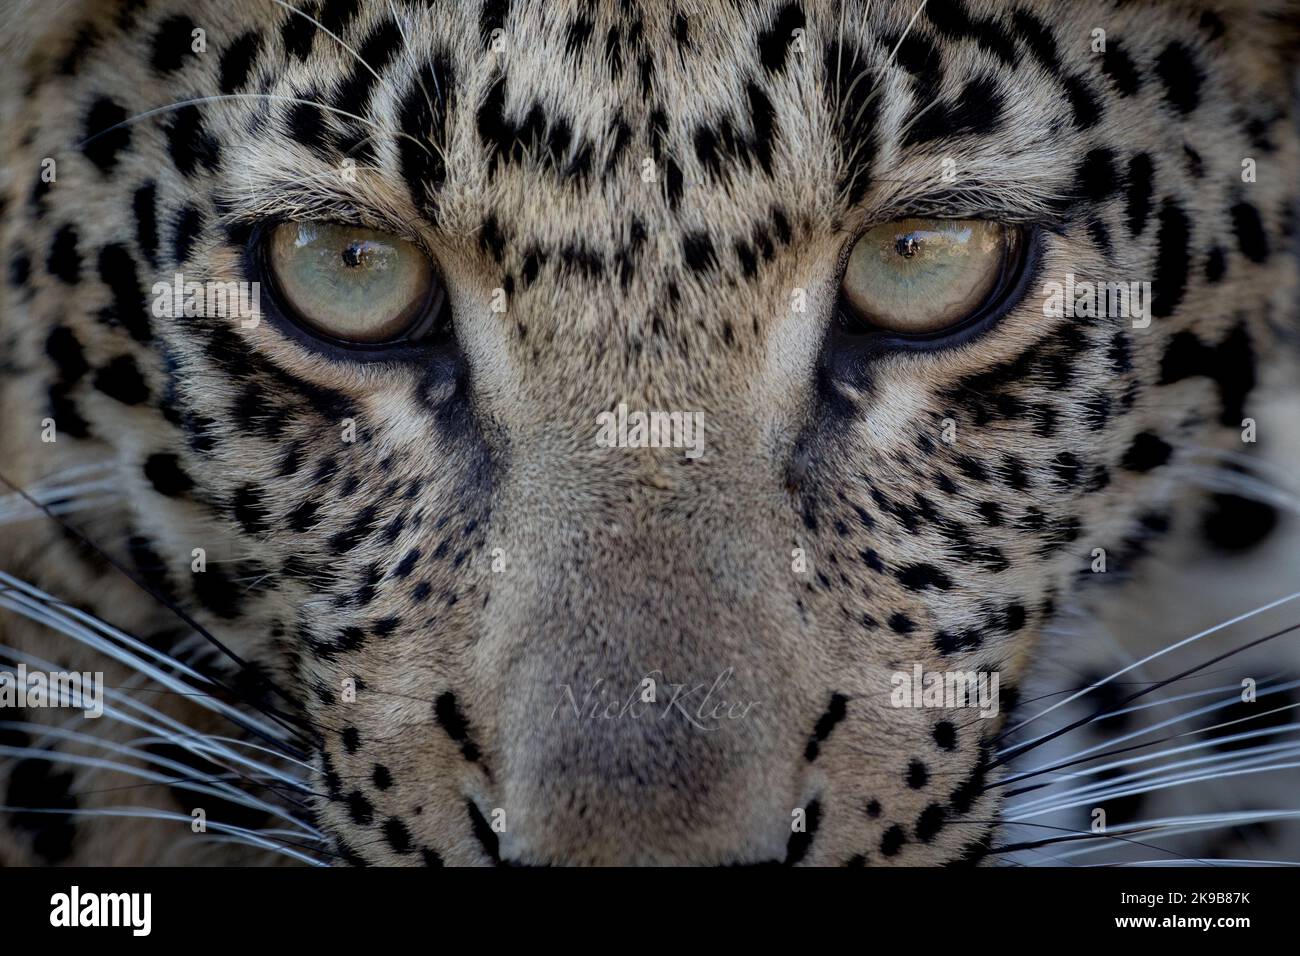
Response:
column 648, row 184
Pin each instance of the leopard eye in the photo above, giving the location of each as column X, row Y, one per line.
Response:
column 926, row 277
column 350, row 285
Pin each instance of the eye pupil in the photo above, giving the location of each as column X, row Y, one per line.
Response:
column 354, row 254
column 908, row 246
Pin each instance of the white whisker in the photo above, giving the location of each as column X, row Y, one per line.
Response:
column 39, row 606
column 1151, row 728
column 1153, row 656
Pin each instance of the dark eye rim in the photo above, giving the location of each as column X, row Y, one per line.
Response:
column 429, row 333
column 1018, row 276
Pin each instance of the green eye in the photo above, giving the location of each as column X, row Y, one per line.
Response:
column 352, row 285
column 920, row 277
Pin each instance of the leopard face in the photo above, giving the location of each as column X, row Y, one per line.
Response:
column 422, row 555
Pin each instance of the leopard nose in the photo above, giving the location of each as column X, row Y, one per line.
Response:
column 653, row 772
column 641, row 733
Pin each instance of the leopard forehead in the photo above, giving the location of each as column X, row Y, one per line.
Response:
column 432, row 557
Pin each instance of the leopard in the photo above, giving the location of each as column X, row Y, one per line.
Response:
column 633, row 397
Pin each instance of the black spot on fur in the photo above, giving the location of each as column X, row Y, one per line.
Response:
column 376, row 51
column 697, row 251
column 216, row 592
column 360, row 809
column 1117, row 65
column 851, row 90
column 189, row 225
column 774, row 42
column 407, row 564
column 918, row 577
column 64, row 260
column 796, row 848
column 384, row 627
column 1173, row 252
column 953, row 21
column 614, row 53
column 189, row 143
column 128, row 307
column 20, row 269
column 303, row 517
column 172, row 43
column 398, row 836
column 1230, row 364
column 762, row 117
column 1233, row 523
column 65, row 414
column 1182, row 78
column 65, row 351
column 1148, row 451
column 164, row 472
column 977, row 111
column 1037, row 36
column 351, row 738
column 306, row 123
column 249, row 509
column 1141, row 175
column 948, row 643
column 579, row 32
column 353, row 535
column 835, row 712
column 1096, row 175
column 930, row 822
column 298, row 31
column 121, row 379
column 143, row 208
column 237, row 61
column 484, row 833
column 1084, row 102
column 423, row 115
column 448, row 714
column 335, row 15
column 919, row 57
column 892, row 842
column 918, row 775
column 153, row 569
column 1249, row 229
column 103, row 142
column 970, row 789
column 900, row 623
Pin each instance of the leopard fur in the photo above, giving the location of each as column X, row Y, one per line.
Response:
column 649, row 185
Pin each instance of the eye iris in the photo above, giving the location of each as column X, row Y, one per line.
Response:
column 922, row 276
column 348, row 283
